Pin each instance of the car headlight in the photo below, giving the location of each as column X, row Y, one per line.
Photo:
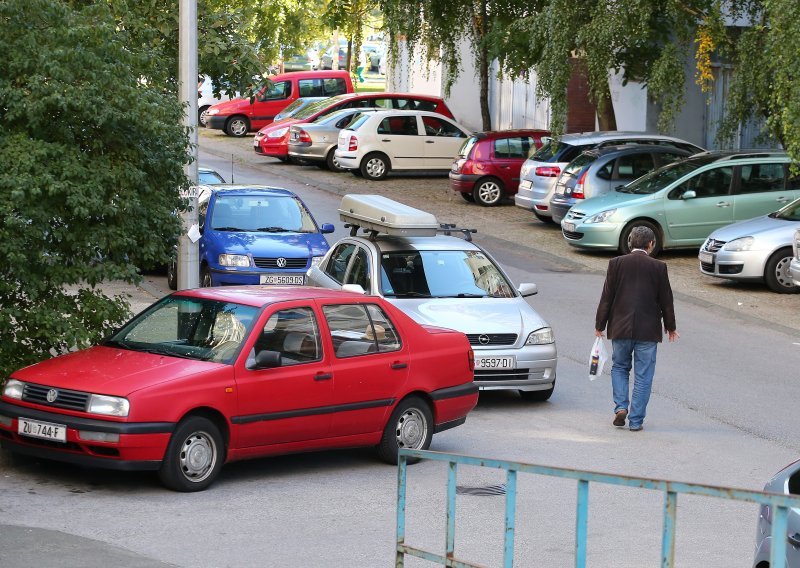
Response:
column 601, row 217
column 278, row 133
column 212, row 111
column 240, row 260
column 745, row 243
column 109, row 405
column 315, row 260
column 541, row 337
column 13, row 389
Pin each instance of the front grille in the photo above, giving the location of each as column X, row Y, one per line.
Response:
column 492, row 338
column 708, row 267
column 265, row 262
column 712, row 245
column 572, row 235
column 575, row 216
column 69, row 399
column 502, row 375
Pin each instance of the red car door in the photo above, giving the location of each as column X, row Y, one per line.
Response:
column 287, row 403
column 508, row 157
column 370, row 364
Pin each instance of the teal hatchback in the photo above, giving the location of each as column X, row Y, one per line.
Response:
column 685, row 201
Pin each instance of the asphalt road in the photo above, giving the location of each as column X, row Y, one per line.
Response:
column 723, row 412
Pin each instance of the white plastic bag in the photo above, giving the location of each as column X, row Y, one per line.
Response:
column 597, row 358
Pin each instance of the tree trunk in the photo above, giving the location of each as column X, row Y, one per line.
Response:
column 606, row 118
column 483, row 71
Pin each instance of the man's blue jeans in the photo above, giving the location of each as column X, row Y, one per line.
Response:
column 642, row 354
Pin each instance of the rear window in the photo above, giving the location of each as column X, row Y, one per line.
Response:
column 561, row 153
column 314, row 108
column 466, row 148
column 361, row 119
column 579, row 163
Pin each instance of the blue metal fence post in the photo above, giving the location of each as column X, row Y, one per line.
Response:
column 668, row 536
column 450, row 545
column 581, row 523
column 777, row 552
column 401, row 509
column 511, row 517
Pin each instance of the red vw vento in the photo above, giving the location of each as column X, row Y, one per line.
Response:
column 213, row 375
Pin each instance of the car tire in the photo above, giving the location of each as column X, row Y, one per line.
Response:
column 543, row 218
column 776, row 272
column 488, row 192
column 194, row 456
column 624, row 240
column 172, row 274
column 202, row 116
column 331, row 162
column 409, row 426
column 468, row 197
column 537, row 396
column 237, row 126
column 205, row 277
column 375, row 166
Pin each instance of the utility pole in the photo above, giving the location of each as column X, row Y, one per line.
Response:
column 188, row 261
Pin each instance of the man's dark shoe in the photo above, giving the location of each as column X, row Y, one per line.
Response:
column 619, row 418
column 636, row 428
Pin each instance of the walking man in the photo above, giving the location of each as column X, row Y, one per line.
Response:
column 636, row 298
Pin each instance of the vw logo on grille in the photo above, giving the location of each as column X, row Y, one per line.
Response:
column 281, row 262
column 52, row 395
column 484, row 339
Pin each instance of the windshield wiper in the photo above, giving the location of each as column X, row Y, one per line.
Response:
column 464, row 295
column 231, row 229
column 164, row 352
column 274, row 230
column 409, row 295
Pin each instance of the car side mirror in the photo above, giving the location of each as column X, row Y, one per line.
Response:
column 689, row 194
column 353, row 288
column 528, row 289
column 327, row 228
column 267, row 360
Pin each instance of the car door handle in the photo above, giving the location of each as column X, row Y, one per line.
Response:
column 323, row 376
column 430, row 141
column 723, row 204
column 793, row 539
column 385, row 140
column 398, row 365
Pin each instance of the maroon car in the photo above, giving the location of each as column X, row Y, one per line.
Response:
column 488, row 164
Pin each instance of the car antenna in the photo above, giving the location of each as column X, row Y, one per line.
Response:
column 231, row 168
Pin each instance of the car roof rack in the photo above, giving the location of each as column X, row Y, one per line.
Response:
column 375, row 214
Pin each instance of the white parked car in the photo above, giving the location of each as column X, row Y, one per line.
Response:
column 380, row 142
column 757, row 250
column 206, row 98
column 794, row 265
column 439, row 277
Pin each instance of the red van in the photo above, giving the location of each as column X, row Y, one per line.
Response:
column 237, row 117
column 488, row 165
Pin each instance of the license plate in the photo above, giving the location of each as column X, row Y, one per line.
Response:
column 706, row 257
column 525, row 184
column 559, row 190
column 495, row 363
column 255, row 143
column 569, row 227
column 283, row 279
column 46, row 430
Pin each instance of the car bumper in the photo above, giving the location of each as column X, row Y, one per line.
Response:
column 312, row 153
column 216, row 121
column 558, row 209
column 141, row 445
column 601, row 236
column 733, row 265
column 794, row 271
column 463, row 183
column 534, row 368
column 524, row 195
column 347, row 161
column 245, row 277
column 271, row 147
column 452, row 404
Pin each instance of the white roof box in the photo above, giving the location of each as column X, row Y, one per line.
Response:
column 380, row 214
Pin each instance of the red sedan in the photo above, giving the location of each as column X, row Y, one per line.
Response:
column 213, row 375
column 487, row 168
column 273, row 139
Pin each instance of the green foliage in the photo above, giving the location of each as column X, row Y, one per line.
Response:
column 92, row 152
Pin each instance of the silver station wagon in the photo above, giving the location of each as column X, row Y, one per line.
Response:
column 441, row 279
column 316, row 141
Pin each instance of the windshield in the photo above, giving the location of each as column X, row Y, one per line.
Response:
column 663, row 176
column 312, row 109
column 209, row 177
column 293, row 107
column 442, row 274
column 260, row 213
column 791, row 212
column 189, row 328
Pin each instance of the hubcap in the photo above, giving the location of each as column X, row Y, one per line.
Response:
column 489, row 192
column 412, row 429
column 198, row 456
column 238, row 128
column 203, row 117
column 782, row 273
column 375, row 167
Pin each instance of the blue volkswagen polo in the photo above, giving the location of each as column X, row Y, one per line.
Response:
column 257, row 235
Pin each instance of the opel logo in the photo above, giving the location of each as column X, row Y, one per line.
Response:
column 484, row 339
column 52, row 395
column 281, row 262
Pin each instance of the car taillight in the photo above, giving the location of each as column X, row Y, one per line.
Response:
column 303, row 136
column 458, row 165
column 471, row 359
column 353, row 144
column 577, row 193
column 547, row 171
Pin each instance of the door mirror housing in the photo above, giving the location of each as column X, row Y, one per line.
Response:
column 267, row 359
column 527, row 289
column 327, row 228
column 689, row 194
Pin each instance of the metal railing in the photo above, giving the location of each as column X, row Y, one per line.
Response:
column 779, row 503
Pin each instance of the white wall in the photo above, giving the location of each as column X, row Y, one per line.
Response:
column 630, row 104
